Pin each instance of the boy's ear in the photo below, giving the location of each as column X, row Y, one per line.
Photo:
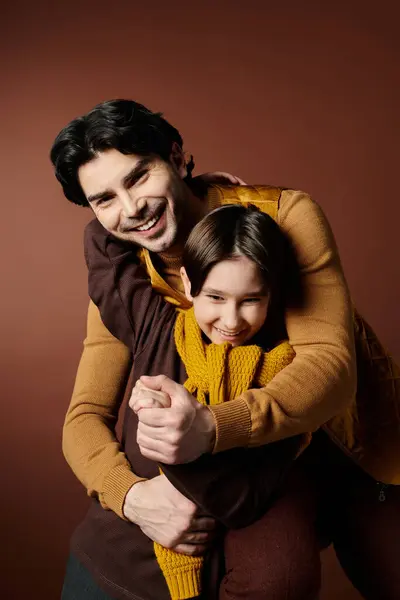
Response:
column 186, row 284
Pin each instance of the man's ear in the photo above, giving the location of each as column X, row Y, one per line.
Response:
column 177, row 159
column 186, row 284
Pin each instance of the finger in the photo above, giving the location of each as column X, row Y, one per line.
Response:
column 162, row 397
column 155, row 456
column 151, row 436
column 160, row 383
column 191, row 549
column 145, row 403
column 199, row 537
column 153, row 398
column 147, row 432
column 203, row 524
column 155, row 417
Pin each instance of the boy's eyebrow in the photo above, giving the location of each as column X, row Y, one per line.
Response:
column 134, row 173
column 258, row 292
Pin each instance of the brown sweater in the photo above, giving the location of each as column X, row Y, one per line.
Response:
column 319, row 383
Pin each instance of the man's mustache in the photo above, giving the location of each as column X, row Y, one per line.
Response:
column 144, row 217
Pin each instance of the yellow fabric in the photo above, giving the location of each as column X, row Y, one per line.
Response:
column 319, row 383
column 217, row 373
column 267, row 200
column 161, row 286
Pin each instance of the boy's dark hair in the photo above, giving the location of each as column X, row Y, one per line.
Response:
column 235, row 230
column 123, row 125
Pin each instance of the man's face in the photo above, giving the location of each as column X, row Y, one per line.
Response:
column 138, row 199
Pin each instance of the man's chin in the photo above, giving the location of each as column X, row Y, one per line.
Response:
column 157, row 246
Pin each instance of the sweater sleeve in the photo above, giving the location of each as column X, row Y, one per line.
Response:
column 321, row 380
column 90, row 445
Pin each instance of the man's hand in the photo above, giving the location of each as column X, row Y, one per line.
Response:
column 169, row 518
column 174, row 435
column 221, row 177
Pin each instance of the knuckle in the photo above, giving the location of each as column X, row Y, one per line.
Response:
column 185, row 523
column 174, row 438
column 180, row 421
column 191, row 510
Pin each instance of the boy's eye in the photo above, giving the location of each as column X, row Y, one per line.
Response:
column 214, row 297
column 252, row 300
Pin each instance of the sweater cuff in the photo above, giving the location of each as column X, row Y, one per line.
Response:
column 116, row 486
column 185, row 583
column 232, row 425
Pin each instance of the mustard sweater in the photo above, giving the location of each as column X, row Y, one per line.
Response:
column 319, row 383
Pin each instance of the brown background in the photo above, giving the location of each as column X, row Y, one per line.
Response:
column 304, row 95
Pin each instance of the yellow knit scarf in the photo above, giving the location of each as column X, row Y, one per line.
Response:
column 216, row 373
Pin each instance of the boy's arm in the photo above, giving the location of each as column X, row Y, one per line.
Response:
column 236, row 487
column 321, row 380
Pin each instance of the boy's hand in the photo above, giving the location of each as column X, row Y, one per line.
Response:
column 176, row 434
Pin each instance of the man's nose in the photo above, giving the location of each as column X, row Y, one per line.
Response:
column 130, row 206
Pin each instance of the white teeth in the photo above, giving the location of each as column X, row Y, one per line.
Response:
column 149, row 224
column 228, row 333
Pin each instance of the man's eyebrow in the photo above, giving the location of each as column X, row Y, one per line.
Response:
column 129, row 178
column 137, row 171
column 99, row 196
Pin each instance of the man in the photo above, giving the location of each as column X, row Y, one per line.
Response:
column 128, row 165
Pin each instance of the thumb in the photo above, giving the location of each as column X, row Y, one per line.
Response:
column 160, row 383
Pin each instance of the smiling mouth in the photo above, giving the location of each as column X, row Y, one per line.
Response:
column 231, row 334
column 151, row 222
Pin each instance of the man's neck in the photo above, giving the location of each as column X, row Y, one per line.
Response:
column 197, row 208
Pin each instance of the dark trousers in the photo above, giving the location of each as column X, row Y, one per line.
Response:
column 78, row 583
column 325, row 499
column 278, row 556
column 361, row 518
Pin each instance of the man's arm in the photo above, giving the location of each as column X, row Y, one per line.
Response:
column 321, row 380
column 93, row 452
column 89, row 442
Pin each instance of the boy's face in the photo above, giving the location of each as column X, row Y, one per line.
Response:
column 233, row 303
column 138, row 199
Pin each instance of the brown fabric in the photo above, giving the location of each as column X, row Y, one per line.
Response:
column 316, row 386
column 124, row 559
column 278, row 557
column 359, row 516
column 378, row 406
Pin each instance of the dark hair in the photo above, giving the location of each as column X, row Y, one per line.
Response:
column 235, row 230
column 123, row 125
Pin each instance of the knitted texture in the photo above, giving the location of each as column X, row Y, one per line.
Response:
column 216, row 373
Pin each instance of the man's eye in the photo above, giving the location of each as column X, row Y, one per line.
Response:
column 139, row 178
column 103, row 201
column 213, row 297
column 252, row 300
